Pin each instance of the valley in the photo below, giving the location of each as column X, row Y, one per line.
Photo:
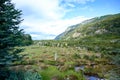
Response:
column 41, row 58
column 86, row 51
column 59, row 40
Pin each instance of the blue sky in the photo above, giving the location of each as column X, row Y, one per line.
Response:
column 45, row 19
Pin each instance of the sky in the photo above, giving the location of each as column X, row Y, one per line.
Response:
column 45, row 19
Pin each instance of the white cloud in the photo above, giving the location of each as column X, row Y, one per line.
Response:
column 88, row 8
column 38, row 36
column 79, row 1
column 48, row 9
column 51, row 27
column 46, row 17
column 74, row 3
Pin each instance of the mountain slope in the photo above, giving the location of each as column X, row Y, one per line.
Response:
column 97, row 34
column 98, row 25
column 67, row 31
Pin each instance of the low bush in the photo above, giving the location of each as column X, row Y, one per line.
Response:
column 20, row 75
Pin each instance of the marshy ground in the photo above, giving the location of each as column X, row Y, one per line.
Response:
column 59, row 63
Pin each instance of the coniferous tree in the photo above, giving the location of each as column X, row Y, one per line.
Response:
column 10, row 34
column 26, row 40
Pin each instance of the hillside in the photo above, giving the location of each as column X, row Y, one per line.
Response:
column 67, row 31
column 97, row 25
column 97, row 34
column 89, row 49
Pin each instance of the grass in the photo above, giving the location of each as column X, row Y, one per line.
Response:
column 53, row 72
column 41, row 59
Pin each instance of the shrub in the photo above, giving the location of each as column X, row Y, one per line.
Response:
column 57, row 77
column 29, row 75
column 72, row 75
column 76, row 56
column 114, row 74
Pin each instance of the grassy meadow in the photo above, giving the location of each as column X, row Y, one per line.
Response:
column 58, row 63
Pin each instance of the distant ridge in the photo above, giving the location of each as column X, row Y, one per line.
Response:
column 99, row 34
column 88, row 27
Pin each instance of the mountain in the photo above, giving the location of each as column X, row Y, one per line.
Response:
column 98, row 34
column 97, row 25
column 67, row 31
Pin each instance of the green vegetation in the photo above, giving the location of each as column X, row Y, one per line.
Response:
column 9, row 33
column 11, row 36
column 41, row 59
column 90, row 48
column 100, row 34
column 28, row 75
